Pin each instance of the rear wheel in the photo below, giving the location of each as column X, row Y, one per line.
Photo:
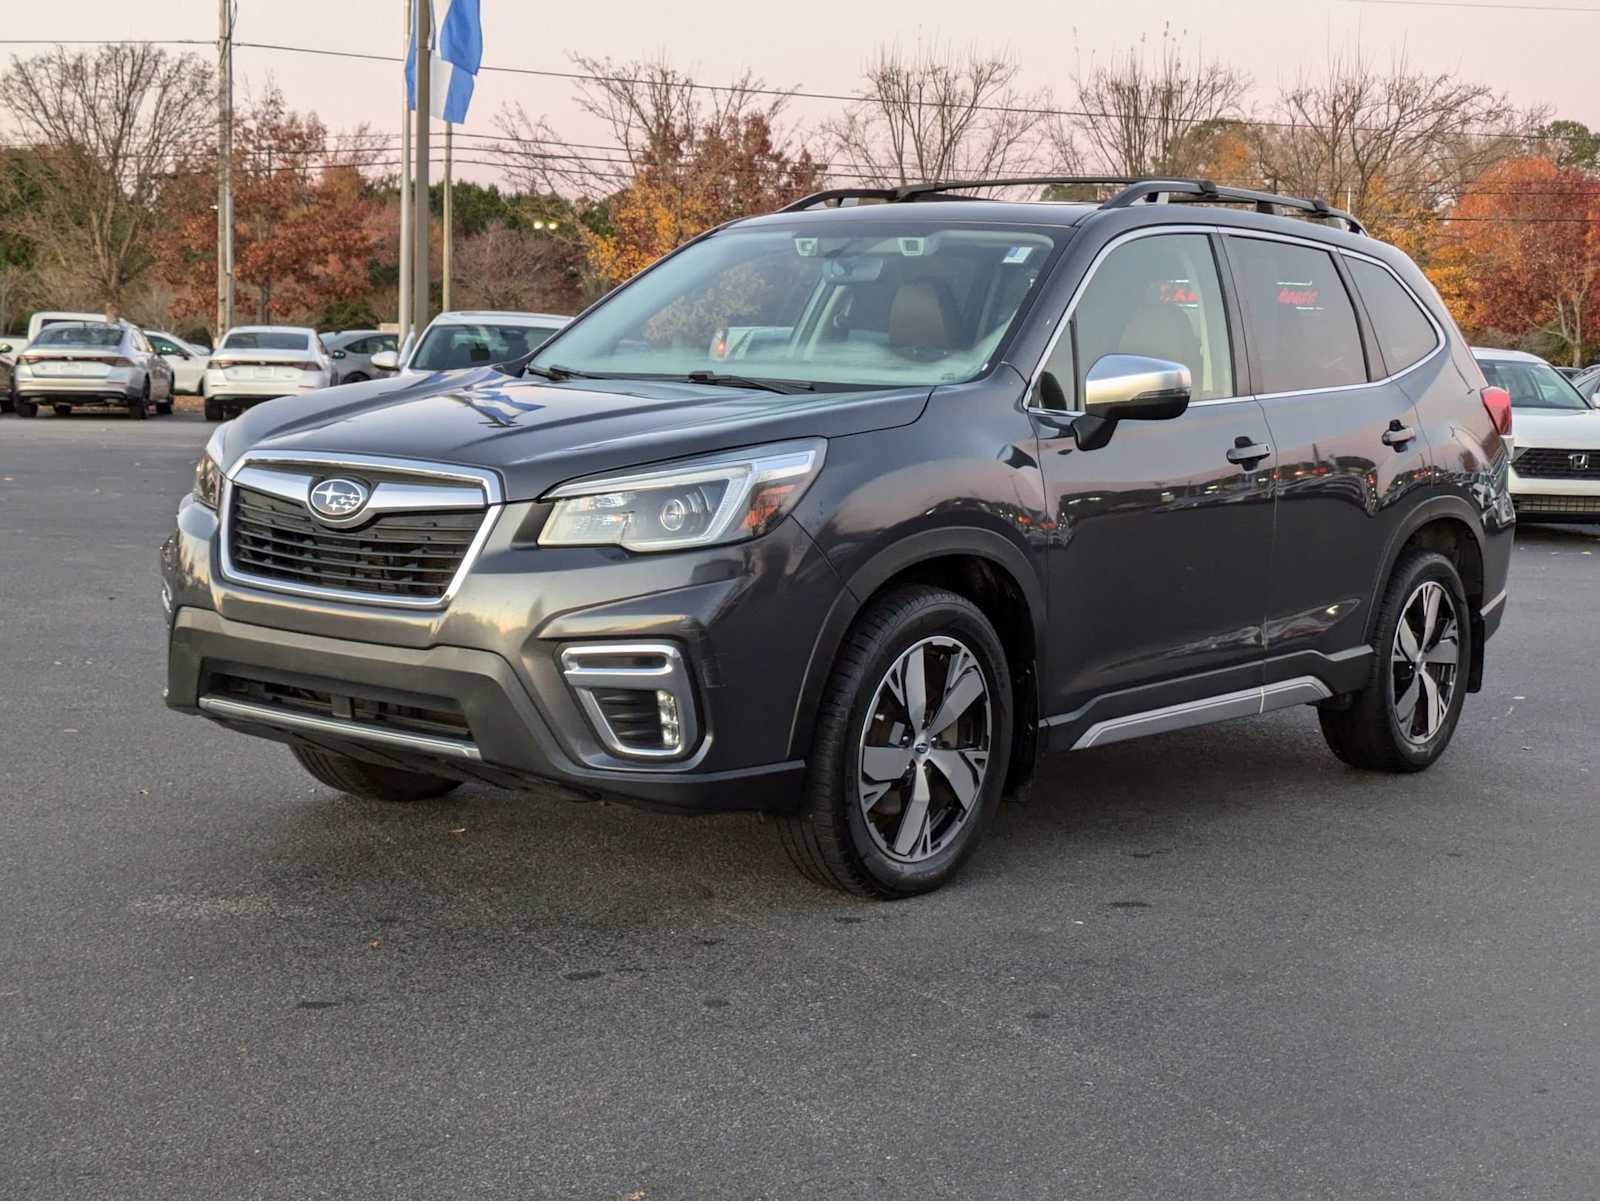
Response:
column 164, row 407
column 27, row 408
column 213, row 409
column 139, row 408
column 61, row 410
column 1406, row 715
column 909, row 755
column 370, row 780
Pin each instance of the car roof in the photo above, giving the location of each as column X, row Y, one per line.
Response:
column 1510, row 356
column 471, row 316
column 277, row 329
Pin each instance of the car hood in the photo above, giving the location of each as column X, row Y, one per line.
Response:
column 1577, row 429
column 536, row 434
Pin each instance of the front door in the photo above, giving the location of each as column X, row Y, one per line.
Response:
column 1163, row 536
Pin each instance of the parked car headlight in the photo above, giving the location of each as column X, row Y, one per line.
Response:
column 208, row 473
column 698, row 502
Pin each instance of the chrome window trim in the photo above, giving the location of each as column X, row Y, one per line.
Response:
column 494, row 505
column 1150, row 231
column 271, row 715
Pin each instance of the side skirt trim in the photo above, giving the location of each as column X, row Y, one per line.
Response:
column 1246, row 703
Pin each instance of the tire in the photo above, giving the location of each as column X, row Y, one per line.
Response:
column 1390, row 724
column 164, row 408
column 139, row 409
column 353, row 378
column 27, row 408
column 370, row 780
column 61, row 410
column 213, row 409
column 851, row 831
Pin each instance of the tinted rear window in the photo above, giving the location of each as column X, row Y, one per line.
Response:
column 65, row 334
column 1405, row 335
column 266, row 339
column 1299, row 314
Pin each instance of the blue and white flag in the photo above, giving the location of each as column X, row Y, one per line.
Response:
column 452, row 63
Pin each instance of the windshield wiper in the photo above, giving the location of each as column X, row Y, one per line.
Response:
column 721, row 380
column 556, row 372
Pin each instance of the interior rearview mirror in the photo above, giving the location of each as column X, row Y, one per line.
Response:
column 386, row 360
column 1130, row 387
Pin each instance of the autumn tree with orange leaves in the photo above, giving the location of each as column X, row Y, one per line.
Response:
column 1522, row 252
column 304, row 233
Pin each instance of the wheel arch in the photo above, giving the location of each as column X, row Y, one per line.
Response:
column 1450, row 526
column 979, row 564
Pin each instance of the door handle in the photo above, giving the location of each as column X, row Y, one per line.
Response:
column 1398, row 434
column 1247, row 453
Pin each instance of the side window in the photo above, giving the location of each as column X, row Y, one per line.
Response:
column 162, row 346
column 1405, row 335
column 1299, row 316
column 1061, row 368
column 1161, row 297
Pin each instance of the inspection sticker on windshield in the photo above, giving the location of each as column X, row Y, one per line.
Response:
column 1018, row 254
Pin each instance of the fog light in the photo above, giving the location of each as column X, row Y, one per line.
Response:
column 671, row 728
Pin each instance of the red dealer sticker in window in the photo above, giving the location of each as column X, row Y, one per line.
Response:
column 1178, row 291
column 1298, row 295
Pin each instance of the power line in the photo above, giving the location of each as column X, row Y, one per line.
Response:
column 1519, row 8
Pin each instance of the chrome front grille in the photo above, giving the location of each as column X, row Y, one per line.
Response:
column 410, row 545
column 1548, row 463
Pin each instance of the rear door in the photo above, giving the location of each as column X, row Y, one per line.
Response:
column 1349, row 441
column 1162, row 538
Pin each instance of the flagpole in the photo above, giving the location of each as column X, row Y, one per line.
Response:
column 406, row 235
column 421, row 294
column 449, row 213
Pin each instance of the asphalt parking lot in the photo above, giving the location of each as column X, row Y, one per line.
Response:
column 1213, row 964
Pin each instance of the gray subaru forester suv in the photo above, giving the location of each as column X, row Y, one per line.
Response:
column 849, row 512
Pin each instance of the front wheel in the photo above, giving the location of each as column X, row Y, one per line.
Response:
column 1405, row 716
column 213, row 409
column 370, row 780
column 910, row 751
column 27, row 408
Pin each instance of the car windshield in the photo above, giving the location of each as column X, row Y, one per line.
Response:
column 1532, row 385
column 80, row 335
column 846, row 303
column 266, row 339
column 452, row 347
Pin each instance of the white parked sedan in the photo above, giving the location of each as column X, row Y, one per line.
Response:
column 262, row 362
column 188, row 364
column 1555, row 435
column 459, row 340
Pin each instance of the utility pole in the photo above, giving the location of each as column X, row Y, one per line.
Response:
column 449, row 213
column 420, row 292
column 224, row 167
column 406, row 236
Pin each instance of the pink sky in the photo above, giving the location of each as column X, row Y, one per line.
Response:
column 1538, row 57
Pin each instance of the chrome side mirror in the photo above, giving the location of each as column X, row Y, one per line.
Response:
column 1129, row 387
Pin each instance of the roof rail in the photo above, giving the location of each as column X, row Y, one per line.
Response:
column 1203, row 191
column 1152, row 190
column 927, row 191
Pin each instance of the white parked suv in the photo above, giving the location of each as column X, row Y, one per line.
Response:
column 459, row 340
column 262, row 362
column 1555, row 460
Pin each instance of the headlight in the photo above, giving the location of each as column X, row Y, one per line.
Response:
column 699, row 502
column 208, row 474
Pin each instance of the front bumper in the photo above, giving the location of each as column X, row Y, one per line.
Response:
column 494, row 655
column 1541, row 499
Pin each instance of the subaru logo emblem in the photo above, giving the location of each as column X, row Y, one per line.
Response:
column 337, row 499
column 1579, row 462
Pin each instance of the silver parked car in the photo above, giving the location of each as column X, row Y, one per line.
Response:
column 262, row 362
column 352, row 352
column 92, row 362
